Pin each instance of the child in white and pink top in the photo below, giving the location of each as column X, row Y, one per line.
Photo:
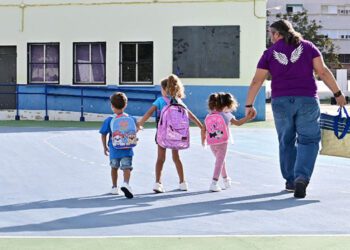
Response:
column 217, row 122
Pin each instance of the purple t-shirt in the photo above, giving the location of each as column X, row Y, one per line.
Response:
column 291, row 68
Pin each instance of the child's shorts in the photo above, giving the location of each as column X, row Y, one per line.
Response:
column 122, row 163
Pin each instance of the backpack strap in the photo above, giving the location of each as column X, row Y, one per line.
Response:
column 166, row 99
column 170, row 101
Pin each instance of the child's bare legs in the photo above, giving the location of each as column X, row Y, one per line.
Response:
column 126, row 189
column 178, row 164
column 160, row 163
column 127, row 173
column 114, row 175
column 180, row 170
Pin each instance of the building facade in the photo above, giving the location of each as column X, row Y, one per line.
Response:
column 333, row 15
column 211, row 45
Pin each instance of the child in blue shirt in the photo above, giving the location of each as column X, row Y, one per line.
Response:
column 119, row 158
column 172, row 89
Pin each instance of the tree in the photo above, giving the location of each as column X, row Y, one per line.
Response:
column 310, row 31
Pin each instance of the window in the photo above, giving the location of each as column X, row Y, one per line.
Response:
column 336, row 34
column 43, row 63
column 343, row 10
column 136, row 63
column 89, row 63
column 330, row 9
column 344, row 58
column 294, row 8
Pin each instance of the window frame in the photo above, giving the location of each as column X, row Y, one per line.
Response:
column 29, row 63
column 136, row 82
column 344, row 58
column 294, row 5
column 74, row 82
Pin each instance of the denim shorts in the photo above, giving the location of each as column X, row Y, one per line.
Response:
column 122, row 163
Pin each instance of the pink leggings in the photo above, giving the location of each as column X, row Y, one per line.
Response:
column 219, row 152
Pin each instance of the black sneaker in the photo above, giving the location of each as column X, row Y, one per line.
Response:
column 300, row 189
column 290, row 187
column 127, row 190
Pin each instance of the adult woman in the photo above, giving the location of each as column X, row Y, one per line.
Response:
column 291, row 62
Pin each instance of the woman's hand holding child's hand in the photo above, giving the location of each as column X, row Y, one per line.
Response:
column 251, row 114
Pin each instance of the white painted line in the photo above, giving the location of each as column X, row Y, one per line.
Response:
column 179, row 236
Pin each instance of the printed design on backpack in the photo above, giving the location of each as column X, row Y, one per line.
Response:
column 217, row 130
column 124, row 131
column 173, row 127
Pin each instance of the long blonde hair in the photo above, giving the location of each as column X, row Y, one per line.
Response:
column 173, row 86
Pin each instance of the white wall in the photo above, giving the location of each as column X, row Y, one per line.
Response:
column 132, row 22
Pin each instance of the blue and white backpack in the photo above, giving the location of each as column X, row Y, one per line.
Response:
column 124, row 131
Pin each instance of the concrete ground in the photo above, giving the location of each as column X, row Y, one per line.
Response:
column 54, row 182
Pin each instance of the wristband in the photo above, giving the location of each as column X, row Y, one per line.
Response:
column 249, row 106
column 337, row 94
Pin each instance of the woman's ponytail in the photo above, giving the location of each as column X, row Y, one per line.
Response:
column 285, row 29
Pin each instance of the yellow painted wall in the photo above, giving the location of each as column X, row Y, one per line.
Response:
column 83, row 21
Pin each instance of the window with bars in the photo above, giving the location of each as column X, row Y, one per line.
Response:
column 136, row 63
column 344, row 58
column 89, row 63
column 43, row 63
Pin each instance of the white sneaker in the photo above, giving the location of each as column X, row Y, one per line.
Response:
column 227, row 182
column 127, row 190
column 114, row 190
column 158, row 187
column 183, row 186
column 214, row 187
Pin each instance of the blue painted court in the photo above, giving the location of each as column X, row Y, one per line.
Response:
column 54, row 182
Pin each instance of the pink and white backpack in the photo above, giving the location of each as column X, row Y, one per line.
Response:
column 217, row 130
column 173, row 127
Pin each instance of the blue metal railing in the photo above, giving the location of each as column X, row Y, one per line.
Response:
column 153, row 93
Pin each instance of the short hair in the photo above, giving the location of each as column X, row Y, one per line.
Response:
column 118, row 100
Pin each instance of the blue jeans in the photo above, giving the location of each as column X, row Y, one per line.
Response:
column 298, row 129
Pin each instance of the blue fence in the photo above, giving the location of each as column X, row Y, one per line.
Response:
column 95, row 99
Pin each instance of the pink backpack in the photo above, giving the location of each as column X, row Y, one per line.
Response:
column 173, row 127
column 217, row 131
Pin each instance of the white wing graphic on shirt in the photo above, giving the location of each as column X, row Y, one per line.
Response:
column 280, row 57
column 296, row 54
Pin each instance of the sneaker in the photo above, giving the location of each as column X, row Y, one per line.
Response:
column 300, row 189
column 114, row 190
column 127, row 190
column 214, row 187
column 158, row 187
column 183, row 186
column 290, row 187
column 227, row 182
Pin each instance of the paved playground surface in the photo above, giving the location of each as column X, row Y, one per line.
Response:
column 54, row 182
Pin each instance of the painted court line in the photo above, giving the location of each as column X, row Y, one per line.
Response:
column 179, row 236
